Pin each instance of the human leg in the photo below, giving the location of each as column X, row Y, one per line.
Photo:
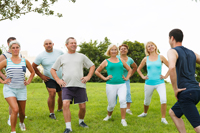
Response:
column 22, row 105
column 177, row 121
column 51, row 99
column 12, row 101
column 60, row 104
column 122, row 91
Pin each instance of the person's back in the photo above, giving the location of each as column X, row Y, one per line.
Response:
column 185, row 68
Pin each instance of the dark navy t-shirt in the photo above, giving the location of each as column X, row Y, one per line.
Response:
column 185, row 68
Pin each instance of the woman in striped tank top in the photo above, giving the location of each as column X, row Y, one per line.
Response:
column 154, row 79
column 115, row 84
column 14, row 89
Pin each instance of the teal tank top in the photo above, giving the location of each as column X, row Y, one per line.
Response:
column 154, row 69
column 116, row 70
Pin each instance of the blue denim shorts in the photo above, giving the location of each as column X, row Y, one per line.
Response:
column 186, row 105
column 20, row 94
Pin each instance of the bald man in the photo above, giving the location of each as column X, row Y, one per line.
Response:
column 47, row 58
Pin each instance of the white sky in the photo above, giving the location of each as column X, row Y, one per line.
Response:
column 119, row 20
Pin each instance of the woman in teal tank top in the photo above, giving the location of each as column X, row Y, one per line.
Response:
column 14, row 89
column 154, row 79
column 115, row 81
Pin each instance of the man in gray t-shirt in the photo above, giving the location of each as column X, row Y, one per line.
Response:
column 73, row 82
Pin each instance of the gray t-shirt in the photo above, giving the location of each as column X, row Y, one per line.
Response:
column 72, row 66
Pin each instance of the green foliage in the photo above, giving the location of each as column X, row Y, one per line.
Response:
column 136, row 52
column 197, row 72
column 37, row 79
column 10, row 9
column 95, row 52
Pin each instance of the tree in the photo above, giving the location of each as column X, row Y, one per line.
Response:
column 95, row 52
column 136, row 52
column 10, row 9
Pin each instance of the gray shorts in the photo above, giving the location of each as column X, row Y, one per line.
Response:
column 76, row 94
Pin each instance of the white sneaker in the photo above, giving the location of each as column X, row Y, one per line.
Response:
column 163, row 120
column 107, row 118
column 142, row 115
column 123, row 122
column 9, row 122
column 22, row 126
column 128, row 111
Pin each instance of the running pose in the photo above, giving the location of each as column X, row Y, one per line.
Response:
column 154, row 79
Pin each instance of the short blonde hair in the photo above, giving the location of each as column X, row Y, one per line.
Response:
column 13, row 42
column 146, row 51
column 108, row 50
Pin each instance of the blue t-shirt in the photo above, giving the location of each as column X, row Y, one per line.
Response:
column 129, row 62
column 154, row 71
column 47, row 60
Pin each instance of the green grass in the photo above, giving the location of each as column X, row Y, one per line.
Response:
column 39, row 122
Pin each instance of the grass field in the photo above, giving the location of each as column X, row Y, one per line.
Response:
column 39, row 122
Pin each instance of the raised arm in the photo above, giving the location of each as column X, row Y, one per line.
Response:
column 142, row 64
column 43, row 77
column 100, row 68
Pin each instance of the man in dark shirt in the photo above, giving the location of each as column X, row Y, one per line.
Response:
column 182, row 64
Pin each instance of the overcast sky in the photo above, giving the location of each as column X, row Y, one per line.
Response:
column 119, row 20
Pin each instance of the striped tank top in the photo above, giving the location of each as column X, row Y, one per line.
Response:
column 16, row 72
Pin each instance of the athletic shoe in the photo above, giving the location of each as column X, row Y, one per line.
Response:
column 67, row 130
column 124, row 123
column 82, row 124
column 9, row 122
column 22, row 126
column 52, row 116
column 163, row 120
column 59, row 110
column 142, row 115
column 107, row 118
column 129, row 112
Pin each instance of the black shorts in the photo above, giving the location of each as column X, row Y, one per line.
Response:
column 76, row 94
column 53, row 84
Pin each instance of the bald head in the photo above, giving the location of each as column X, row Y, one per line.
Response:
column 48, row 45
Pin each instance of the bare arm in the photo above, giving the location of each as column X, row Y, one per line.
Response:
column 164, row 60
column 43, row 77
column 172, row 58
column 31, row 70
column 142, row 64
column 2, row 57
column 134, row 66
column 87, row 78
column 3, row 65
column 57, row 79
column 128, row 69
column 197, row 58
column 100, row 68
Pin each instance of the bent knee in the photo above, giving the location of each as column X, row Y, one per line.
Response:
column 171, row 112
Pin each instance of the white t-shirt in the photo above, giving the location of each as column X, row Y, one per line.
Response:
column 72, row 66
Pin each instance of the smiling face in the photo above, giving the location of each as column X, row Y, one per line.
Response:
column 151, row 48
column 114, row 51
column 48, row 45
column 123, row 50
column 15, row 48
column 71, row 46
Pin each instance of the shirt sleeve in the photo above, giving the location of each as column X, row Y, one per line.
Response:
column 57, row 64
column 38, row 60
column 87, row 62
